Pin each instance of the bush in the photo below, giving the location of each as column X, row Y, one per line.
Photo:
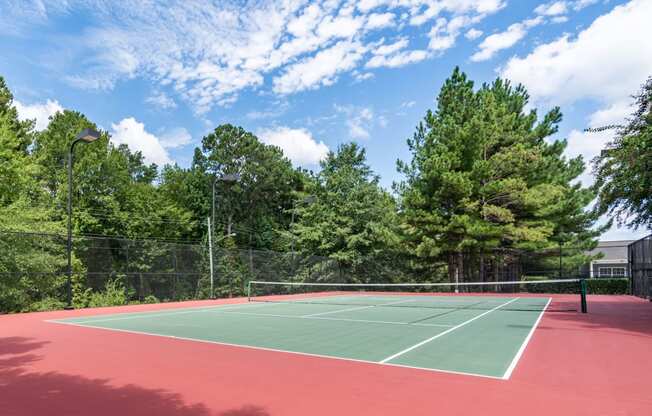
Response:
column 112, row 295
column 151, row 299
column 47, row 304
column 616, row 286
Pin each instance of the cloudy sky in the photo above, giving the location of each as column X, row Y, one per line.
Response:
column 307, row 76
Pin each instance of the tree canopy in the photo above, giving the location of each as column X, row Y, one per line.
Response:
column 484, row 175
column 624, row 169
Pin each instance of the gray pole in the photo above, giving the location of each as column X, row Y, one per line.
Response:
column 69, row 241
column 210, row 257
column 560, row 273
column 213, row 199
column 294, row 207
column 87, row 136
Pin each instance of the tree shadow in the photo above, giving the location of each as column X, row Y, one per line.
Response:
column 23, row 392
column 622, row 315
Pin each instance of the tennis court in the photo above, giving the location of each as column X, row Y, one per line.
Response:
column 479, row 335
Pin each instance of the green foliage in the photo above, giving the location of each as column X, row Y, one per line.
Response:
column 258, row 205
column 624, row 169
column 114, row 294
column 231, row 274
column 352, row 219
column 150, row 299
column 611, row 286
column 46, row 304
column 615, row 286
column 483, row 176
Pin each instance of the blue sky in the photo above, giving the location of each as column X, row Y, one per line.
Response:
column 307, row 76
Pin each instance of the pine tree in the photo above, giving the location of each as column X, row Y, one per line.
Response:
column 483, row 177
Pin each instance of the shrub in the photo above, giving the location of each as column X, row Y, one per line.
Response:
column 113, row 295
column 47, row 304
column 615, row 286
column 151, row 299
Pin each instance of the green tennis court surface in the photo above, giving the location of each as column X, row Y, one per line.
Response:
column 475, row 335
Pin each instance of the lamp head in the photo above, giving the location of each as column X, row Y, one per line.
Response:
column 230, row 177
column 88, row 135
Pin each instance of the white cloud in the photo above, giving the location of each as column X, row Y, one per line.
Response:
column 177, row 137
column 559, row 19
column 503, row 40
column 422, row 12
column 40, row 113
column 322, row 69
column 473, row 33
column 161, row 100
column 580, row 4
column 359, row 120
column 444, row 33
column 552, row 9
column 362, row 76
column 607, row 61
column 397, row 60
column 391, row 48
column 208, row 53
column 297, row 144
column 392, row 56
column 276, row 109
column 132, row 133
column 380, row 20
column 382, row 121
column 590, row 144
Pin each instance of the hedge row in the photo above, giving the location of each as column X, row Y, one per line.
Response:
column 615, row 286
column 610, row 286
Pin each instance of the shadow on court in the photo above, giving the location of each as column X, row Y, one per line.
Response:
column 23, row 392
column 624, row 315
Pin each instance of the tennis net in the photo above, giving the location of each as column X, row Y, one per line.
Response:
column 552, row 295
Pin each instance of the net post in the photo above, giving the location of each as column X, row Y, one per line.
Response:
column 583, row 295
column 249, row 291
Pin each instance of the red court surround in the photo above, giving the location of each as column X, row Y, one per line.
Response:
column 594, row 364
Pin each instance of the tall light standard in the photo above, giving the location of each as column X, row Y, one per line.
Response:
column 307, row 201
column 86, row 136
column 210, row 257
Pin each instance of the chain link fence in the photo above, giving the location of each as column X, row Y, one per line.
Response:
column 640, row 264
column 114, row 271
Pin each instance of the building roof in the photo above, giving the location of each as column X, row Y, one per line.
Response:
column 612, row 250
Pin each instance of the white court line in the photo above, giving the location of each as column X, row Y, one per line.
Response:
column 136, row 315
column 252, row 347
column 321, row 318
column 441, row 334
column 357, row 308
column 518, row 355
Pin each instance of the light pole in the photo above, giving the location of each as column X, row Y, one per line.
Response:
column 210, row 257
column 86, row 136
column 307, row 200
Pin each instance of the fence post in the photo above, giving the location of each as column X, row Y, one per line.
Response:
column 210, row 257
